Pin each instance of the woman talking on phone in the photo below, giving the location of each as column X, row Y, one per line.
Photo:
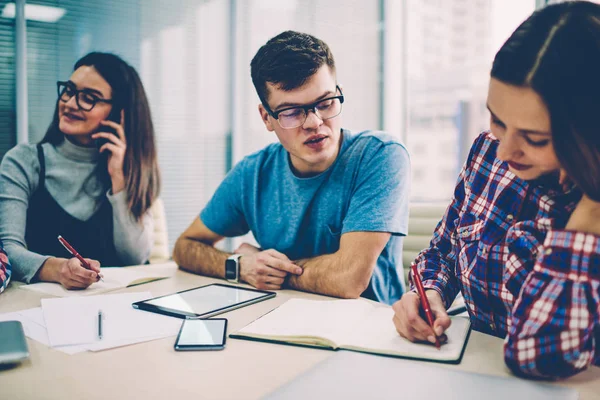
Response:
column 91, row 180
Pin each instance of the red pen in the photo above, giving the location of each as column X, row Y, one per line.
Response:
column 424, row 301
column 74, row 252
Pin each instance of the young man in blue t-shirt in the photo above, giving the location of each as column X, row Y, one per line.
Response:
column 327, row 207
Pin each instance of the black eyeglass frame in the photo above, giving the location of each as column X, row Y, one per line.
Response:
column 76, row 94
column 307, row 108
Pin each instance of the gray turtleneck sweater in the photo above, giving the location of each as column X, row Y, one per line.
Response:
column 68, row 167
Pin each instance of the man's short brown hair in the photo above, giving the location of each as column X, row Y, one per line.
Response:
column 288, row 60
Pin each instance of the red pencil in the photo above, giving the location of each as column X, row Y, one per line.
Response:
column 424, row 301
column 74, row 252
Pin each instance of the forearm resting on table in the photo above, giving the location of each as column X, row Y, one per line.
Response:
column 201, row 258
column 345, row 273
column 327, row 275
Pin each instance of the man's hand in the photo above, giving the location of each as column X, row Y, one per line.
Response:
column 266, row 270
column 409, row 323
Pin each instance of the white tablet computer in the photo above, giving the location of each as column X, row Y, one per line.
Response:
column 204, row 301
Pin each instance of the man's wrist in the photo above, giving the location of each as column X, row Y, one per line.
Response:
column 233, row 268
column 241, row 270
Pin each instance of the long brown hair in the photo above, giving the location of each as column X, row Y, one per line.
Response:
column 556, row 52
column 140, row 165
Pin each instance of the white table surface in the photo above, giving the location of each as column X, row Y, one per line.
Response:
column 244, row 370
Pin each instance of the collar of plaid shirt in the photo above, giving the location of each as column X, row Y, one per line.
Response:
column 498, row 213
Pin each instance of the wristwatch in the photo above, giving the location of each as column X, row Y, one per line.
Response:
column 232, row 268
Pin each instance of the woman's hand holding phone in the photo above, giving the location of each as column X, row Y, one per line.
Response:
column 116, row 145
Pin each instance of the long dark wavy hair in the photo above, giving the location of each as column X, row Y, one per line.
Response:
column 556, row 52
column 140, row 165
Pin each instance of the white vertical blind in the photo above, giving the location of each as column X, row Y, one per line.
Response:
column 185, row 68
column 7, row 83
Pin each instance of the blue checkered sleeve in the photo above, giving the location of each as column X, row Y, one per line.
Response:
column 554, row 325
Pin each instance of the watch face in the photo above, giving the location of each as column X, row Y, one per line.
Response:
column 230, row 269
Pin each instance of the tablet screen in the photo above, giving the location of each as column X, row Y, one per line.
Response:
column 204, row 301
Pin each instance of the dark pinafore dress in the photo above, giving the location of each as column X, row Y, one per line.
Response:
column 46, row 219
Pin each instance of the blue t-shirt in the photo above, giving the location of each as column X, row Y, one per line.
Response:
column 365, row 189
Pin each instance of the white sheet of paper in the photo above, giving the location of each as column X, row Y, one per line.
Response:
column 33, row 325
column 72, row 321
column 106, row 345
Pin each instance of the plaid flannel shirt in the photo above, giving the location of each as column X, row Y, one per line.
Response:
column 524, row 279
column 5, row 269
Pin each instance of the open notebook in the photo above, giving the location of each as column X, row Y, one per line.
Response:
column 356, row 325
column 114, row 278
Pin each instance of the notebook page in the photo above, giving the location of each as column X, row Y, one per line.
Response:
column 124, row 277
column 114, row 278
column 299, row 317
column 56, row 289
column 377, row 332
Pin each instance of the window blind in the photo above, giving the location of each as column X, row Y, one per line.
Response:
column 7, row 83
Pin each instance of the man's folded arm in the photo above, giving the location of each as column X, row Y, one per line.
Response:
column 345, row 273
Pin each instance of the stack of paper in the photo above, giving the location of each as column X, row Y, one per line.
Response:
column 65, row 323
column 74, row 321
column 35, row 328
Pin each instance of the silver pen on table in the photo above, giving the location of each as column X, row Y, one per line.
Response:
column 100, row 318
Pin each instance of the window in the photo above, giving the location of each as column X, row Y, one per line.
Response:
column 418, row 69
column 446, row 80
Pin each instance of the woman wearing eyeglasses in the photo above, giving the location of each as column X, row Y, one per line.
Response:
column 92, row 180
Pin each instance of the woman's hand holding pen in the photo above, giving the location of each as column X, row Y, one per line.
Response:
column 412, row 326
column 116, row 146
column 69, row 272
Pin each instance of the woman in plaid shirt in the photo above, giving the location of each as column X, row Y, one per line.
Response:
column 521, row 237
column 5, row 269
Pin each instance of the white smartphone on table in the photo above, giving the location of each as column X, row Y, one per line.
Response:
column 202, row 334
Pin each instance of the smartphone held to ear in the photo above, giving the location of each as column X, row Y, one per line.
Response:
column 114, row 116
column 202, row 334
